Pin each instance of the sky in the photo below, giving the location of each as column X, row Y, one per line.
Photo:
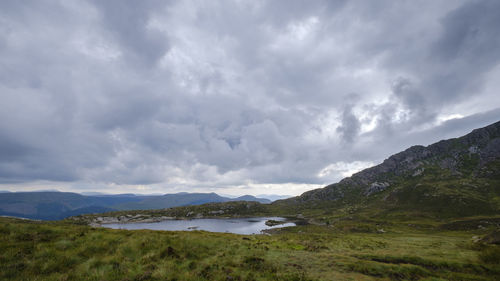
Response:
column 235, row 97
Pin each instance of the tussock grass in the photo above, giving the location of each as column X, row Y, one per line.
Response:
column 64, row 251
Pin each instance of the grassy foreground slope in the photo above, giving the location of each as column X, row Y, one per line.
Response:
column 63, row 250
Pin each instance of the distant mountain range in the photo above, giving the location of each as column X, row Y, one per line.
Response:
column 451, row 178
column 54, row 205
column 273, row 197
column 181, row 199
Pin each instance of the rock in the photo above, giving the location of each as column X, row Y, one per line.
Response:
column 418, row 172
column 376, row 187
column 274, row 222
column 101, row 220
column 492, row 238
column 448, row 163
column 473, row 149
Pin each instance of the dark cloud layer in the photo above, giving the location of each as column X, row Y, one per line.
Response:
column 274, row 96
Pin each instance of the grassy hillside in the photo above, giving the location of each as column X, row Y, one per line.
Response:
column 67, row 251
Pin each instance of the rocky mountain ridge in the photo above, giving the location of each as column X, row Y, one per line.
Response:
column 473, row 159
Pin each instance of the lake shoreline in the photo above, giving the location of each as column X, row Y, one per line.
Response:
column 140, row 218
column 244, row 226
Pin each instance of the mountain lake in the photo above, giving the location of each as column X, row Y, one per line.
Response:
column 229, row 225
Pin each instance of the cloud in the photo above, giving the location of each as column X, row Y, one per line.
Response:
column 350, row 127
column 129, row 24
column 237, row 96
column 345, row 169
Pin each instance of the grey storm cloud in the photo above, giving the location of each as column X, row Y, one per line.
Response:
column 188, row 94
column 350, row 125
column 127, row 24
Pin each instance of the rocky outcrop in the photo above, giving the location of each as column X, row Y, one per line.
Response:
column 376, row 187
column 469, row 154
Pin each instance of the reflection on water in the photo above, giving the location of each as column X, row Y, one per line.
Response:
column 238, row 226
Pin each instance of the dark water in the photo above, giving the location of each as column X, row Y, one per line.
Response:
column 238, row 226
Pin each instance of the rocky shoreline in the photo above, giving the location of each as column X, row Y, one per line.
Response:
column 98, row 221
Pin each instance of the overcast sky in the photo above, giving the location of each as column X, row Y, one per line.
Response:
column 235, row 97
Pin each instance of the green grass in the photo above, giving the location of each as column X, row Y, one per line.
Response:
column 66, row 251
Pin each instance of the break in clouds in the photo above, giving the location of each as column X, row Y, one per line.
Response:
column 235, row 96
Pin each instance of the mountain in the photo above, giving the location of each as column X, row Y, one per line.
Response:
column 93, row 193
column 54, row 205
column 183, row 199
column 450, row 178
column 171, row 200
column 251, row 198
column 274, row 197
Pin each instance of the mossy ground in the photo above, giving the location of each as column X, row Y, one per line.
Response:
column 339, row 251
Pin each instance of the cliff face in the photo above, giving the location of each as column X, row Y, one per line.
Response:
column 471, row 159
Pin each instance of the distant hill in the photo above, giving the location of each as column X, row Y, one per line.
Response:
column 55, row 205
column 274, row 197
column 251, row 198
column 183, row 199
column 451, row 178
column 51, row 205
